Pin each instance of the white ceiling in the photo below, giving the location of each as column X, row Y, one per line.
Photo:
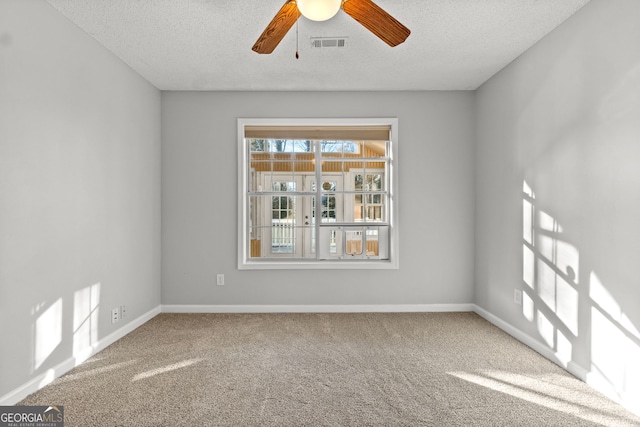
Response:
column 206, row 44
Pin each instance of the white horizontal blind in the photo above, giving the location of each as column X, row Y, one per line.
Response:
column 330, row 133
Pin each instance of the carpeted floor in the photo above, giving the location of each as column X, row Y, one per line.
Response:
column 382, row 369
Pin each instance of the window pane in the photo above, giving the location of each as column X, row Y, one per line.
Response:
column 259, row 226
column 353, row 242
column 304, row 146
column 333, row 243
column 375, row 149
column 257, row 145
column 333, row 172
column 330, row 243
column 358, row 208
column 372, row 243
column 283, row 186
column 339, row 148
column 332, row 166
column 304, row 162
column 254, row 243
column 282, row 162
column 329, row 186
column 354, row 167
column 304, row 166
column 375, row 212
column 279, row 145
column 374, row 182
column 332, row 208
column 358, row 182
column 282, row 207
column 261, row 166
column 376, row 165
column 283, row 237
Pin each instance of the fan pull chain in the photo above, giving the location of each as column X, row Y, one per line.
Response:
column 297, row 20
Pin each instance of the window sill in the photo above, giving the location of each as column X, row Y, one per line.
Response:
column 320, row 265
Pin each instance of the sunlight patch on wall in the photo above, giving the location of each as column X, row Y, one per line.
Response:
column 567, row 304
column 567, row 260
column 528, row 266
column 564, row 349
column 626, row 323
column 546, row 285
column 527, row 221
column 545, row 245
column 48, row 333
column 550, row 267
column 560, row 296
column 607, row 349
column 547, row 222
column 528, row 307
column 605, row 301
column 546, row 329
column 563, row 255
column 527, row 190
column 615, row 344
column 86, row 304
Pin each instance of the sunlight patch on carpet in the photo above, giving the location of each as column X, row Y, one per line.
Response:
column 550, row 391
column 165, row 369
column 97, row 371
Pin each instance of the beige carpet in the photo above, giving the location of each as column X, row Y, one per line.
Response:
column 383, row 369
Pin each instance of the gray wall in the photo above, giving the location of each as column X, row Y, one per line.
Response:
column 564, row 118
column 200, row 192
column 79, row 191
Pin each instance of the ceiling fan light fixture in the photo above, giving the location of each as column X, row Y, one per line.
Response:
column 319, row 10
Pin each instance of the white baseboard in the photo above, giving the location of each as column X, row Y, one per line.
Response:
column 538, row 346
column 373, row 308
column 62, row 368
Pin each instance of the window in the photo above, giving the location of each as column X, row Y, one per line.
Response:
column 317, row 193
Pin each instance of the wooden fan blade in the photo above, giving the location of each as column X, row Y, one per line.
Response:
column 277, row 28
column 376, row 20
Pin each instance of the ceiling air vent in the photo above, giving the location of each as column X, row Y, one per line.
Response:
column 328, row 41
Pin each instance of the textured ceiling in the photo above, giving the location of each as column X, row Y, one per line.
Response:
column 206, row 44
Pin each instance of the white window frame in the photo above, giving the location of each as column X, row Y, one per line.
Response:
column 245, row 262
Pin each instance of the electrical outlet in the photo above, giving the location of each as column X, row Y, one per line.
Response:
column 123, row 311
column 220, row 280
column 115, row 315
column 517, row 296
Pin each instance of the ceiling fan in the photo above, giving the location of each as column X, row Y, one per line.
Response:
column 366, row 12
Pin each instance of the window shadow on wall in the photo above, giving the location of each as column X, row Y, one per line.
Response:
column 572, row 309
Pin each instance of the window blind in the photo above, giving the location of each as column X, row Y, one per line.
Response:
column 330, row 133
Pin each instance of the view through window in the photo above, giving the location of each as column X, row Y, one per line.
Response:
column 289, row 218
